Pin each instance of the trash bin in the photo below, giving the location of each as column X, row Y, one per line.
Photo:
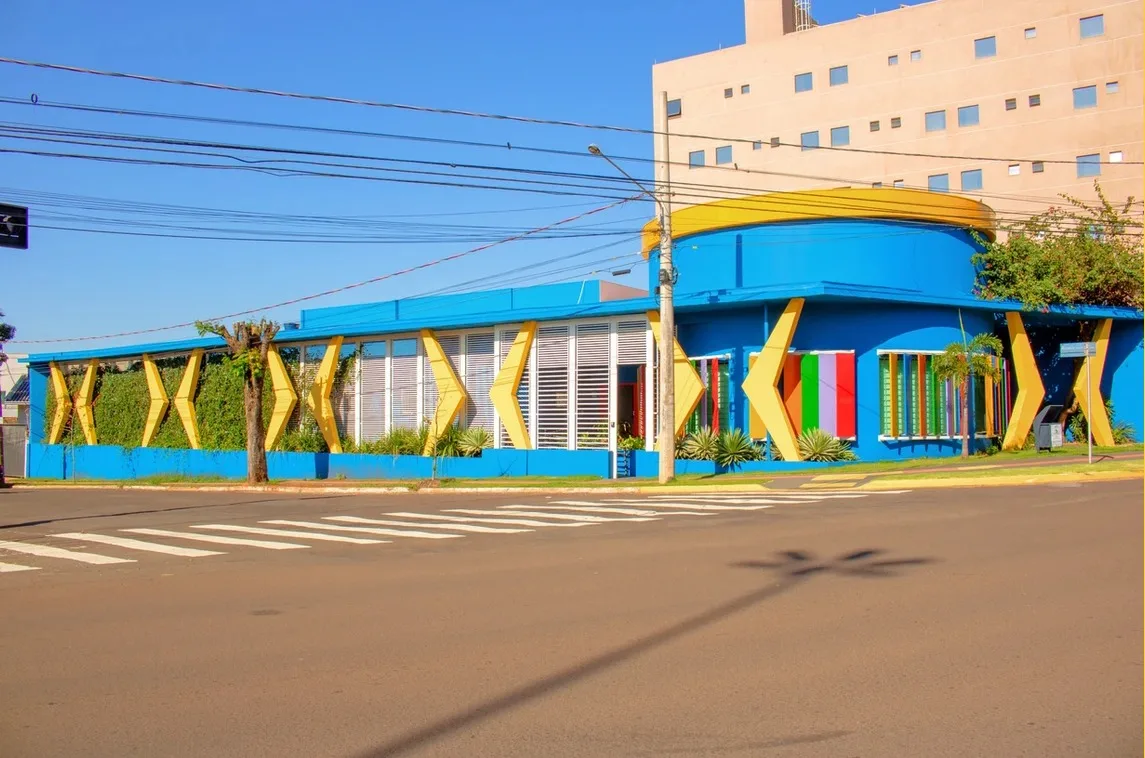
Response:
column 1047, row 432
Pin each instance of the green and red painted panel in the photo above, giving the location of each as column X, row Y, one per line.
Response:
column 916, row 403
column 818, row 389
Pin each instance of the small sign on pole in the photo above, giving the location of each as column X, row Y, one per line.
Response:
column 13, row 226
column 1083, row 350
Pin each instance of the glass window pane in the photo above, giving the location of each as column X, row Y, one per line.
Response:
column 1035, row 101
column 874, row 126
column 744, row 89
column 892, row 60
column 809, row 140
column 1116, row 156
column 1112, row 88
column 840, row 136
column 972, row 180
column 1015, row 169
column 1038, row 167
column 696, row 158
column 1085, row 97
column 916, row 55
column 968, row 115
column 1092, row 26
column 1011, row 103
column 938, row 182
column 724, row 154
column 896, row 122
column 757, row 145
column 728, row 92
column 838, row 75
column 899, row 183
column 987, row 47
column 1089, row 165
column 802, row 82
column 674, row 108
column 1031, row 32
column 936, row 121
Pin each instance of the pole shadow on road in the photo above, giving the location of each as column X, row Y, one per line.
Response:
column 792, row 567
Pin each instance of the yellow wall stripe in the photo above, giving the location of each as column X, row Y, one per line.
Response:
column 159, row 400
column 689, row 388
column 285, row 398
column 761, row 386
column 451, row 395
column 63, row 404
column 504, row 390
column 318, row 398
column 1031, row 391
column 185, row 397
column 1094, row 411
column 84, row 399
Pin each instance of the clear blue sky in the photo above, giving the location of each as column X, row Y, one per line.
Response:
column 588, row 60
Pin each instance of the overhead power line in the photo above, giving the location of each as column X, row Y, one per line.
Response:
column 470, row 113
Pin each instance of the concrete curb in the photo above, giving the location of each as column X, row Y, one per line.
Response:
column 1016, row 480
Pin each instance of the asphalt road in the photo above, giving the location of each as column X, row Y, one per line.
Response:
column 989, row 622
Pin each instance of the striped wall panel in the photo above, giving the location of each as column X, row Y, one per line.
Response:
column 818, row 389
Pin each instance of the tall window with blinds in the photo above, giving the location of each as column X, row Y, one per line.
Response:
column 372, row 376
column 916, row 404
column 344, row 393
column 591, row 411
column 479, row 374
column 507, row 338
column 404, row 385
column 818, row 390
column 553, row 387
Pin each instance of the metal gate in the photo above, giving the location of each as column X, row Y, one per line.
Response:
column 15, row 447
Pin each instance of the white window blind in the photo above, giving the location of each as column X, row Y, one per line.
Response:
column 507, row 338
column 373, row 390
column 591, row 414
column 553, row 387
column 404, row 379
column 479, row 373
column 344, row 393
column 631, row 346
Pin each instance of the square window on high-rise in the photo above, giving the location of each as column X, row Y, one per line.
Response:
column 935, row 121
column 728, row 92
column 695, row 158
column 938, row 182
column 803, row 82
column 840, row 136
column 916, row 55
column 972, row 180
column 968, row 115
column 1031, row 32
column 1015, row 169
column 837, row 76
column 1089, row 165
column 809, row 140
column 1035, row 101
column 1092, row 26
column 1116, row 156
column 1011, row 103
column 1112, row 88
column 1038, row 167
column 674, row 108
column 892, row 60
column 874, row 126
column 757, row 145
column 775, row 142
column 744, row 89
column 899, row 183
column 1085, row 97
column 723, row 154
column 876, row 185
column 987, row 47
column 896, row 122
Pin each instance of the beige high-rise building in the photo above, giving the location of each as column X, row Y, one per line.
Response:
column 1009, row 101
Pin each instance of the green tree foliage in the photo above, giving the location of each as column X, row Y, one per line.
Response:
column 963, row 360
column 1076, row 254
column 7, row 332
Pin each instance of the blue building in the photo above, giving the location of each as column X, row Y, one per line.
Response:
column 795, row 311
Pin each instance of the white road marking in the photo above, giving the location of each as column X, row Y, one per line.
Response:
column 676, row 506
column 364, row 530
column 289, row 533
column 45, row 551
column 218, row 539
column 737, row 500
column 127, row 542
column 470, row 520
column 594, row 506
column 522, row 510
column 452, row 527
column 6, row 568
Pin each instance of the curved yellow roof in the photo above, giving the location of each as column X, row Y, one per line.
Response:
column 825, row 204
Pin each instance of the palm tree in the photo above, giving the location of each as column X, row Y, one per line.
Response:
column 963, row 360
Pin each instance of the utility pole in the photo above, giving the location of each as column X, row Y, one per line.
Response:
column 667, row 307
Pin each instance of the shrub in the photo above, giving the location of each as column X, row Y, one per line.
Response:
column 473, row 440
column 449, row 443
column 631, row 443
column 821, row 447
column 1123, row 431
column 702, row 445
column 735, row 447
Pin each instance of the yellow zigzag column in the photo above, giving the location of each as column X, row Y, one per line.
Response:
column 185, row 397
column 689, row 388
column 83, row 402
column 318, row 398
column 503, row 393
column 761, row 386
column 451, row 394
column 1094, row 410
column 285, row 397
column 1031, row 392
column 63, row 404
column 159, row 400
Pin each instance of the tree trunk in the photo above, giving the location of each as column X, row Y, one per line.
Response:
column 963, row 391
column 255, row 435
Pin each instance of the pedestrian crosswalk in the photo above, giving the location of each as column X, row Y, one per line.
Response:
column 380, row 527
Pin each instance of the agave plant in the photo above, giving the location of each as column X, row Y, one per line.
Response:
column 449, row 442
column 820, row 446
column 735, row 447
column 473, row 440
column 701, row 445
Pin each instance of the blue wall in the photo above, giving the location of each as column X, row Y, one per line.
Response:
column 1123, row 379
column 117, row 463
